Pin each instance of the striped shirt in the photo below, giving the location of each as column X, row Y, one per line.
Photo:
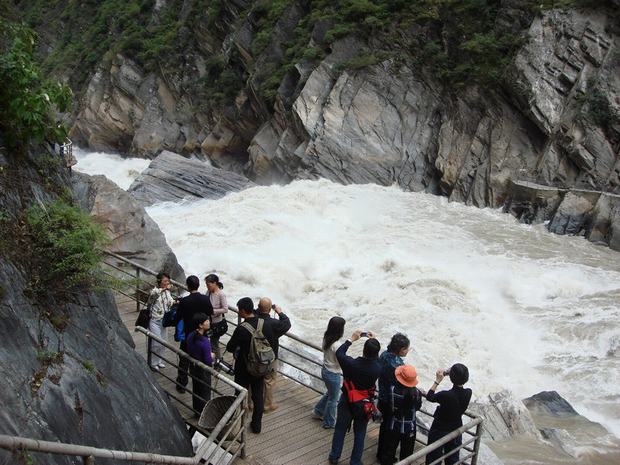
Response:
column 404, row 402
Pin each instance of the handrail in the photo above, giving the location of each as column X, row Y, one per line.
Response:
column 60, row 448
column 440, row 442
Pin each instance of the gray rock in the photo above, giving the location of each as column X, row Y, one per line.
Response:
column 68, row 366
column 572, row 214
column 132, row 232
column 126, row 110
column 172, row 177
column 549, row 403
column 505, row 417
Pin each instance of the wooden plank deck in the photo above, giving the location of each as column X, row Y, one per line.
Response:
column 289, row 435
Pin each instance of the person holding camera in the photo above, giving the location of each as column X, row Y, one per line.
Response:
column 447, row 417
column 360, row 374
column 279, row 327
column 160, row 300
column 219, row 325
column 199, row 348
column 390, row 360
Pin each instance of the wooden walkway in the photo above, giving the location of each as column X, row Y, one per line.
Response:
column 289, row 435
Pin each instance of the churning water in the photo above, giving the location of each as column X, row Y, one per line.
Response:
column 524, row 309
column 120, row 170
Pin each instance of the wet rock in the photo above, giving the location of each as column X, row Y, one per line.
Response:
column 572, row 214
column 549, row 403
column 132, row 232
column 505, row 417
column 172, row 177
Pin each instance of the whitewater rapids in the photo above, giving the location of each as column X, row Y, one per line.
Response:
column 524, row 309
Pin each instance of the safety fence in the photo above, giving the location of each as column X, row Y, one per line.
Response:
column 301, row 361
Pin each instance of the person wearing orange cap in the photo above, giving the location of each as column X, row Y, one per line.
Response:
column 404, row 400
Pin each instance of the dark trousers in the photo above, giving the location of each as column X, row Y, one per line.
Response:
column 257, row 386
column 183, row 369
column 201, row 387
column 391, row 439
column 435, row 435
column 386, row 417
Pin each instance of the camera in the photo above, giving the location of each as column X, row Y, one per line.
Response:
column 273, row 306
column 364, row 334
column 221, row 365
column 446, row 372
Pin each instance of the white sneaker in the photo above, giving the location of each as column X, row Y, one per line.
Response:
column 161, row 365
column 154, row 368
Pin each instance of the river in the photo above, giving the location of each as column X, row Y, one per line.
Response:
column 524, row 309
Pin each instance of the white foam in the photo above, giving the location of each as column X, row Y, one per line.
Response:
column 122, row 171
column 465, row 284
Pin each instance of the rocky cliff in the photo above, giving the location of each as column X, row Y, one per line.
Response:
column 69, row 370
column 354, row 109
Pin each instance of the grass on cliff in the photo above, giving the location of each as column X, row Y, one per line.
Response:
column 64, row 247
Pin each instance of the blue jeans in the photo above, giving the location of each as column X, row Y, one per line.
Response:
column 342, row 425
column 326, row 407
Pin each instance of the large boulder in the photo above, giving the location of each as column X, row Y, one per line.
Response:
column 505, row 417
column 172, row 177
column 132, row 232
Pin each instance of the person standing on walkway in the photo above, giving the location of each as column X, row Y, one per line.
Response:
column 189, row 306
column 331, row 373
column 404, row 401
column 239, row 346
column 219, row 326
column 390, row 359
column 160, row 300
column 362, row 372
column 448, row 415
column 279, row 328
column 199, row 347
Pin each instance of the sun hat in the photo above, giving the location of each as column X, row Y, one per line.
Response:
column 406, row 375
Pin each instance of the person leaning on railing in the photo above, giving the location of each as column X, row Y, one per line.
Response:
column 447, row 416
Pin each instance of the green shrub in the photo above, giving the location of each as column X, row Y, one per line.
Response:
column 27, row 102
column 65, row 247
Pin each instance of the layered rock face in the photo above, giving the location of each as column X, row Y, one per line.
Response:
column 555, row 121
column 69, row 369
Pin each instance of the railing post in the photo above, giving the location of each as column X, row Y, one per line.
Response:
column 89, row 460
column 474, row 459
column 243, row 434
column 138, row 290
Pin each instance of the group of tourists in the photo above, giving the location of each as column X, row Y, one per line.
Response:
column 350, row 382
column 398, row 398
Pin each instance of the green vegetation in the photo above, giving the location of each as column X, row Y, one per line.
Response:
column 27, row 101
column 46, row 357
column 64, row 248
column 599, row 109
column 88, row 365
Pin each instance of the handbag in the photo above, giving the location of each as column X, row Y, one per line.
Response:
column 220, row 328
column 170, row 317
column 144, row 317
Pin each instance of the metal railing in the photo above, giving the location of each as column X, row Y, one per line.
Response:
column 304, row 365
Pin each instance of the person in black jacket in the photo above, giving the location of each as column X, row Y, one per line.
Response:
column 402, row 401
column 447, row 417
column 189, row 306
column 363, row 373
column 239, row 346
column 280, row 326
